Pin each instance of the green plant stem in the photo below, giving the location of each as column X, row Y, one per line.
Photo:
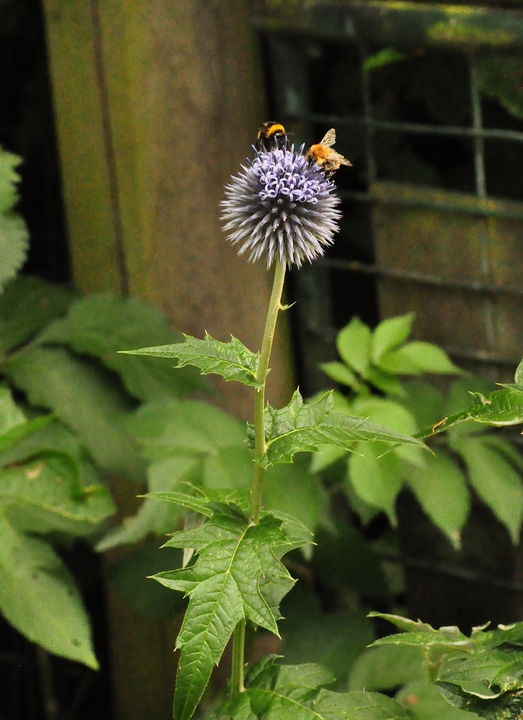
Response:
column 259, row 397
column 238, row 638
column 238, row 659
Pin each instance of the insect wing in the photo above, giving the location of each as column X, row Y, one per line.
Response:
column 329, row 138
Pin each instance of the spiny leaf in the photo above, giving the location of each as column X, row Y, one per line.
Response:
column 300, row 427
column 419, row 633
column 238, row 574
column 499, row 408
column 232, row 360
column 295, row 692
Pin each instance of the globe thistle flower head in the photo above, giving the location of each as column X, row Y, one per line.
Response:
column 280, row 206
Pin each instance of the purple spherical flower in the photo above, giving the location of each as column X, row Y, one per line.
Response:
column 281, row 206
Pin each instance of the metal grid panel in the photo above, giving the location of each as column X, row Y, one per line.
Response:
column 367, row 27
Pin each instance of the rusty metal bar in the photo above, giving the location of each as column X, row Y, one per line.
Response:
column 485, row 210
column 417, row 128
column 419, row 277
column 404, row 25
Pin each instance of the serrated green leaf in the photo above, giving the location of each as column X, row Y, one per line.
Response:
column 389, row 334
column 26, row 305
column 236, row 563
column 377, row 480
column 495, row 480
column 9, row 179
column 417, row 633
column 300, row 427
column 231, row 360
column 14, row 244
column 441, row 489
column 340, row 373
column 354, row 344
column 294, row 692
column 502, row 668
column 39, row 598
column 84, row 399
column 45, row 496
column 101, row 325
column 500, row 408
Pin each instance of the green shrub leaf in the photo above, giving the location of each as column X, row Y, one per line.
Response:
column 340, row 373
column 375, row 477
column 441, row 489
column 231, row 360
column 45, row 496
column 418, row 357
column 84, row 399
column 495, row 480
column 389, row 334
column 101, row 325
column 354, row 344
column 39, row 598
column 26, row 305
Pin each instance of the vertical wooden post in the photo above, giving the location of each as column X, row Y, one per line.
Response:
column 157, row 103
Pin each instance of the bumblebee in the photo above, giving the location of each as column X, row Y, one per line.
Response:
column 271, row 136
column 323, row 155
